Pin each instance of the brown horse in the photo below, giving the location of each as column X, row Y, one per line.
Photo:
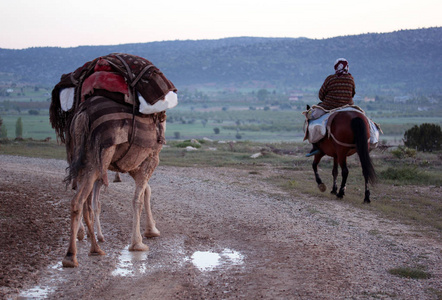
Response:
column 349, row 132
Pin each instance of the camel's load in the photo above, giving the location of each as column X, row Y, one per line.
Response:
column 128, row 79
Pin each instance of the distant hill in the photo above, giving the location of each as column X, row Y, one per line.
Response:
column 406, row 61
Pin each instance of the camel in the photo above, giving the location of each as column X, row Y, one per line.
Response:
column 120, row 142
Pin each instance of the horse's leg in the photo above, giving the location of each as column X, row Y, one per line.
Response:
column 316, row 161
column 88, row 214
column 151, row 229
column 96, row 205
column 87, row 181
column 343, row 163
column 334, row 190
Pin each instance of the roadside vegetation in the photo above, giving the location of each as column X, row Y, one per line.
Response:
column 408, row 188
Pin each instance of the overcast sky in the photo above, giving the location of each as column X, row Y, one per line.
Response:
column 39, row 23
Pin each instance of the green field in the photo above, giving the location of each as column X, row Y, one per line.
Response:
column 239, row 115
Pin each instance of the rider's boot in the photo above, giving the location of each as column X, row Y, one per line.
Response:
column 315, row 150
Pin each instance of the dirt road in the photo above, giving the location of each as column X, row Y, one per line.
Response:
column 225, row 233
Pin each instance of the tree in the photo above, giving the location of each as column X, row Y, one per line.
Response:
column 426, row 137
column 262, row 94
column 216, row 130
column 3, row 131
column 19, row 128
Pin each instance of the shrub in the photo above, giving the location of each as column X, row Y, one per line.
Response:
column 33, row 112
column 426, row 137
column 216, row 130
column 407, row 272
column 177, row 134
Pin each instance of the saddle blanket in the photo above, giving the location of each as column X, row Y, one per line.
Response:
column 317, row 128
column 107, row 117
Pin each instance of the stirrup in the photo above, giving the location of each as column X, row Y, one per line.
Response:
column 313, row 153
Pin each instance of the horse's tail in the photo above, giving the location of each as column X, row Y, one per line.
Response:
column 359, row 127
column 78, row 137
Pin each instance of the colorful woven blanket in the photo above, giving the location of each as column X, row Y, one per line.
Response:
column 118, row 73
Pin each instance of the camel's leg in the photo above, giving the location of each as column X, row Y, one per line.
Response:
column 334, row 190
column 141, row 177
column 88, row 214
column 117, row 177
column 80, row 233
column 151, row 229
column 137, row 206
column 96, row 206
column 316, row 161
column 70, row 260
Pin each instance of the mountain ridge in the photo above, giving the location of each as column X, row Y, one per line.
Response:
column 399, row 62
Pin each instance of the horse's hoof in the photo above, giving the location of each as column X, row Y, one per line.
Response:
column 339, row 196
column 70, row 262
column 367, row 201
column 100, row 238
column 333, row 192
column 152, row 233
column 139, row 247
column 322, row 187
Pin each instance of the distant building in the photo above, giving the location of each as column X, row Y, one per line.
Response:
column 295, row 96
column 401, row 99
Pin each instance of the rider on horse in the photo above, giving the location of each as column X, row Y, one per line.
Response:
column 337, row 90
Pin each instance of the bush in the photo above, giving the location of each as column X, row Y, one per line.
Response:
column 177, row 134
column 402, row 152
column 216, row 130
column 426, row 137
column 33, row 112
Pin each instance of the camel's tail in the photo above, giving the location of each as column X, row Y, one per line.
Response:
column 359, row 128
column 78, row 137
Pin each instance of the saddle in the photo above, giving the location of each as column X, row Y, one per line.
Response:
column 317, row 129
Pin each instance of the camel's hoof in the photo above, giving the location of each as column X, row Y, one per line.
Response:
column 322, row 187
column 139, row 247
column 97, row 253
column 70, row 262
column 152, row 233
column 80, row 235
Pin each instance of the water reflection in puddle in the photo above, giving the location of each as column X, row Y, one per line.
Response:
column 131, row 263
column 134, row 263
column 43, row 291
column 37, row 292
column 207, row 261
